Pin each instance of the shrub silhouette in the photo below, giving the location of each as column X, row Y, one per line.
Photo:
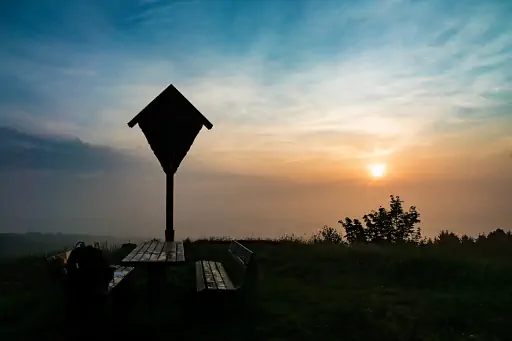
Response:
column 327, row 234
column 446, row 238
column 392, row 226
column 354, row 231
column 466, row 240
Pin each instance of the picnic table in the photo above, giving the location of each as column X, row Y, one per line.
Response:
column 154, row 256
column 157, row 253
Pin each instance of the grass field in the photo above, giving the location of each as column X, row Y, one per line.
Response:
column 305, row 292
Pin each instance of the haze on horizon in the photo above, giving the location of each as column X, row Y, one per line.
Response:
column 307, row 100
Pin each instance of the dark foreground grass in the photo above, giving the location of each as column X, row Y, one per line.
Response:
column 305, row 292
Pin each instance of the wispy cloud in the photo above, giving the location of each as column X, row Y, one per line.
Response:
column 343, row 80
column 310, row 90
column 22, row 151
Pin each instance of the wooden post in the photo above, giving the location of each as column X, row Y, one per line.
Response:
column 169, row 208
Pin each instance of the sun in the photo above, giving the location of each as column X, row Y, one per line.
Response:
column 377, row 170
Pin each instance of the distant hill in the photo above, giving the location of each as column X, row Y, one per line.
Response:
column 16, row 245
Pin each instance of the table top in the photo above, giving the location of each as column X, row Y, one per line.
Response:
column 156, row 252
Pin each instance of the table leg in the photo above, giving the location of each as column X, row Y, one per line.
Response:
column 156, row 282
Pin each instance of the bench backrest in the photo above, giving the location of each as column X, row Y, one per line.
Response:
column 247, row 273
column 240, row 253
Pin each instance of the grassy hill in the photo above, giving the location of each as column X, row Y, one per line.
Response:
column 305, row 292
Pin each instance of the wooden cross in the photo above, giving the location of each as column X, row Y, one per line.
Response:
column 170, row 124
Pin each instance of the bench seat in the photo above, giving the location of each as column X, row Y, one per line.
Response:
column 120, row 273
column 211, row 275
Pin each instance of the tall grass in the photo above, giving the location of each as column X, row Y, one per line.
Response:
column 307, row 290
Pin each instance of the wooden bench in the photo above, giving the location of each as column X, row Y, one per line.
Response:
column 120, row 273
column 57, row 268
column 243, row 272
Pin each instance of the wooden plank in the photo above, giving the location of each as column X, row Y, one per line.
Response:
column 163, row 255
column 127, row 270
column 141, row 252
column 199, row 276
column 117, row 278
column 217, row 276
column 122, row 272
column 180, row 252
column 233, row 251
column 132, row 254
column 136, row 255
column 227, row 281
column 241, row 252
column 153, row 248
column 210, row 282
column 119, row 275
column 146, row 256
column 157, row 252
column 170, row 251
column 240, row 261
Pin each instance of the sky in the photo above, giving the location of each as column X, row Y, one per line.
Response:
column 304, row 96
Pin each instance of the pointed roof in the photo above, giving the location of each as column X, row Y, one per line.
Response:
column 170, row 123
column 171, row 96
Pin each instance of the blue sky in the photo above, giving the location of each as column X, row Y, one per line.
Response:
column 302, row 89
column 82, row 63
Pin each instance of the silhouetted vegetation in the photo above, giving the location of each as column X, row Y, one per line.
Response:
column 392, row 226
column 377, row 279
column 397, row 226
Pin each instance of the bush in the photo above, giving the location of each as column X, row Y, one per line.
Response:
column 393, row 226
column 327, row 234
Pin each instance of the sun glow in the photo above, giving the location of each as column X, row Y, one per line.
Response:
column 377, row 170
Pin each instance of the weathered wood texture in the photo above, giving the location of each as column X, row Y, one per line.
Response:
column 156, row 252
column 240, row 253
column 212, row 276
column 120, row 273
